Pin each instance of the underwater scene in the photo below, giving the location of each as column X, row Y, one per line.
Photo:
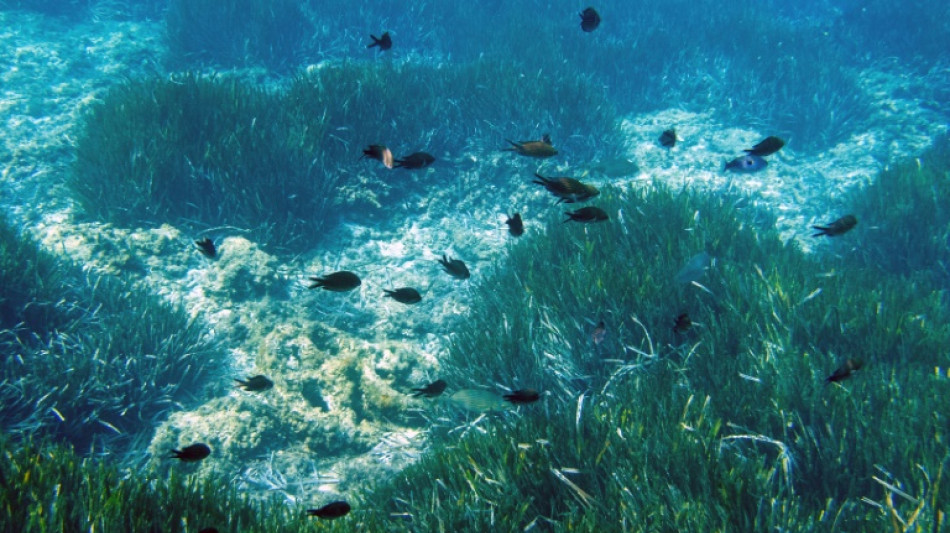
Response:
column 392, row 266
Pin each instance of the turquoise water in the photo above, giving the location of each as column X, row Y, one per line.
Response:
column 135, row 129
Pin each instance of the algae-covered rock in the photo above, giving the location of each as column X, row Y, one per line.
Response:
column 244, row 272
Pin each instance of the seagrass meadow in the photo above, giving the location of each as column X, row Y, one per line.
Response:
column 908, row 203
column 727, row 426
column 89, row 359
column 177, row 175
column 208, row 151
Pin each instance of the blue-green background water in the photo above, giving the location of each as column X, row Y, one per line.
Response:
column 134, row 128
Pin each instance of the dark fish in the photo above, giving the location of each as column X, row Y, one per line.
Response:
column 209, row 530
column 431, row 390
column 587, row 214
column 590, row 19
column 206, row 247
column 257, row 383
column 540, row 149
column 515, row 225
column 192, row 453
column 416, row 160
column 844, row 371
column 838, row 227
column 385, row 42
column 682, row 323
column 455, row 267
column 379, row 153
column 331, row 510
column 568, row 190
column 768, row 146
column 599, row 333
column 523, row 396
column 668, row 138
column 746, row 163
column 405, row 295
column 341, row 281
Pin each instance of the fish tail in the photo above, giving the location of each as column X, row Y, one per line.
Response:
column 376, row 42
column 821, row 231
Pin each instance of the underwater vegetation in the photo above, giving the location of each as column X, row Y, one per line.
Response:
column 50, row 488
column 212, row 151
column 803, row 393
column 730, row 424
column 745, row 62
column 86, row 358
column 237, row 33
column 907, row 210
column 915, row 31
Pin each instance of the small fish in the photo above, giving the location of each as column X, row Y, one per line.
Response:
column 206, row 247
column 539, row 149
column 616, row 167
column 258, row 383
column 431, row 390
column 192, row 453
column 455, row 267
column 694, row 269
column 599, row 333
column 384, row 42
column 331, row 510
column 590, row 19
column 838, row 227
column 668, row 138
column 568, row 190
column 515, row 225
column 768, row 146
column 341, row 281
column 523, row 396
column 682, row 323
column 746, row 164
column 477, row 400
column 208, row 530
column 845, row 371
column 379, row 153
column 405, row 295
column 587, row 214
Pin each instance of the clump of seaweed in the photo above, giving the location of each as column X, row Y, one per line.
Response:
column 762, row 65
column 47, row 487
column 237, row 33
column 731, row 424
column 211, row 150
column 215, row 151
column 87, row 357
column 450, row 108
column 905, row 217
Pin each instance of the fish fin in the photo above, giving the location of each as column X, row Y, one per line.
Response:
column 821, row 231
